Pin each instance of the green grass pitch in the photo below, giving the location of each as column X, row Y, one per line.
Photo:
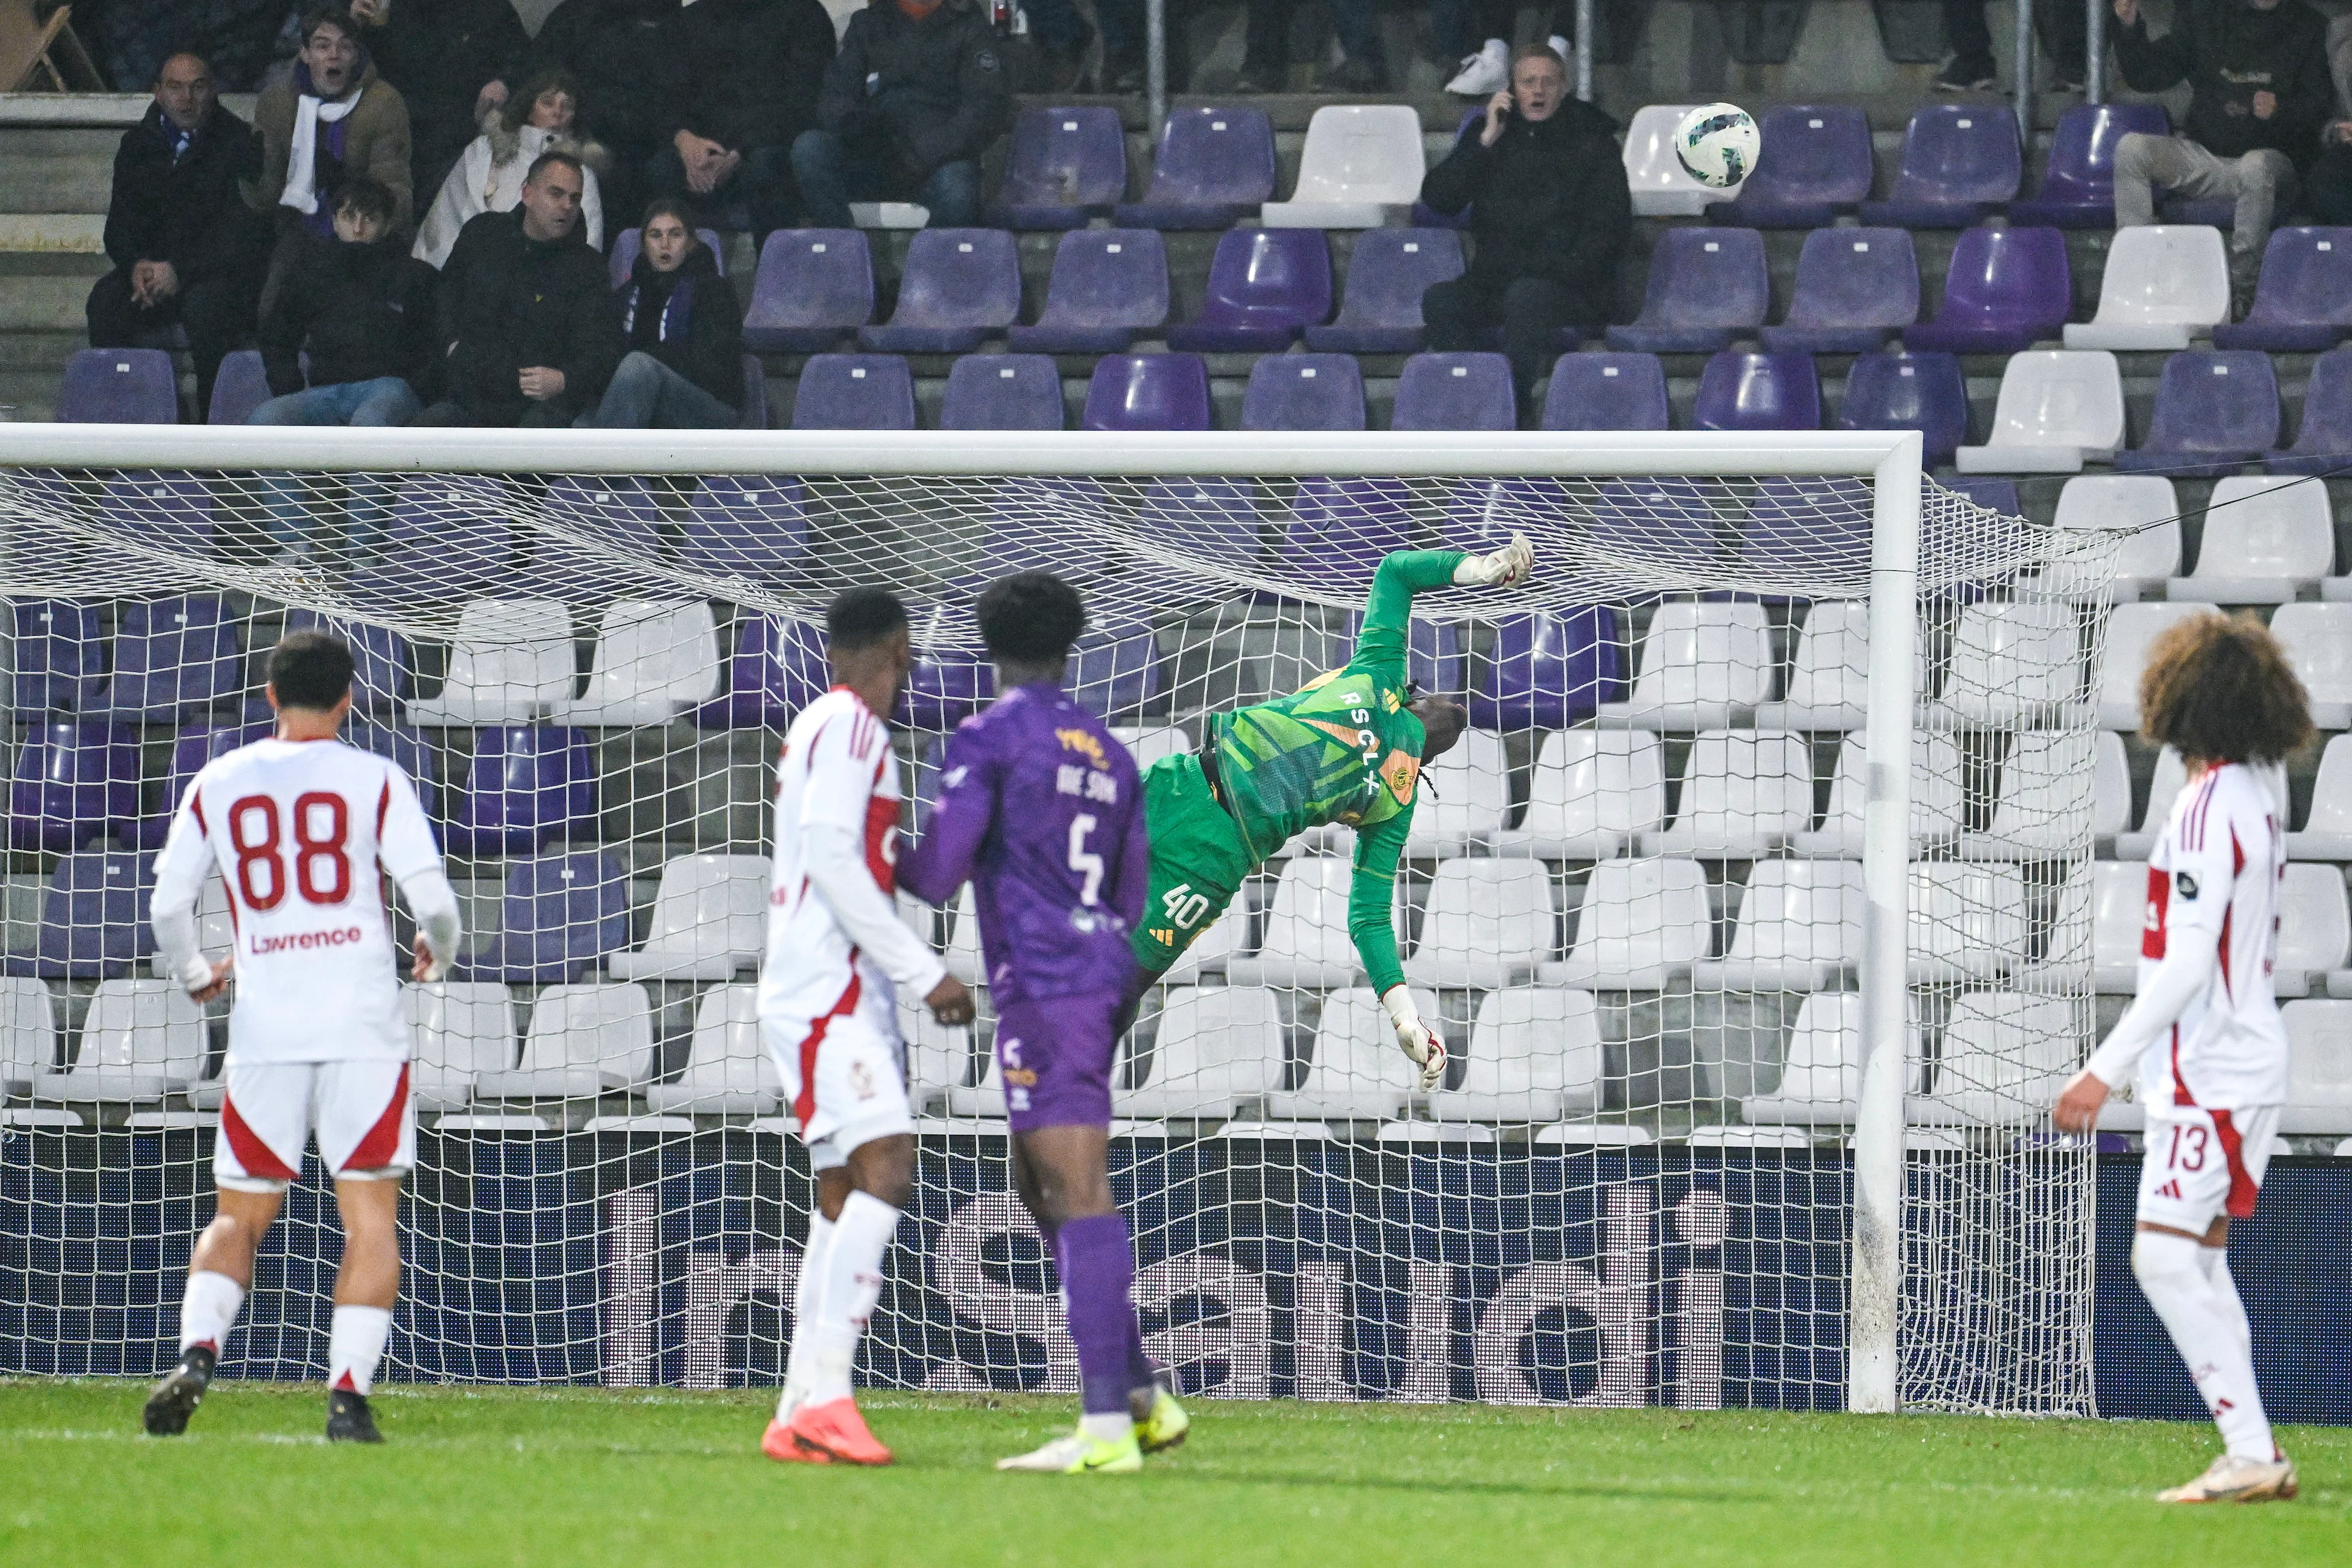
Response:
column 581, row 1477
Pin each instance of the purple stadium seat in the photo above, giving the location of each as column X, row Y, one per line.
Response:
column 1212, row 518
column 1212, row 168
column 778, row 669
column 1807, row 528
column 173, row 658
column 1064, row 166
column 1004, row 392
column 1815, row 161
column 73, row 778
column 746, row 526
column 241, row 388
column 526, row 786
column 1434, row 656
column 1114, row 673
column 1388, row 272
column 381, row 663
column 1759, row 392
column 1706, row 287
column 2323, row 442
column 1304, row 392
column 450, row 537
column 171, row 509
column 60, row 656
column 2216, row 411
column 1150, row 391
column 1606, row 391
column 404, row 749
column 615, row 511
column 1455, row 392
column 1340, row 528
column 1923, row 392
column 1677, row 521
column 558, row 917
column 960, row 285
column 195, row 745
column 1266, row 286
column 2005, row 290
column 1997, row 495
column 119, row 386
column 755, row 395
column 815, row 286
column 94, row 921
column 1855, row 288
column 946, row 687
column 1961, row 163
column 629, row 241
column 2079, row 190
column 1108, row 285
column 854, row 392
column 2303, row 302
column 1548, row 671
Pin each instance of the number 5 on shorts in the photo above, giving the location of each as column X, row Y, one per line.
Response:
column 1185, row 905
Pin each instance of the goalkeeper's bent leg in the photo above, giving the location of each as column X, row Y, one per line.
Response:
column 1199, row 862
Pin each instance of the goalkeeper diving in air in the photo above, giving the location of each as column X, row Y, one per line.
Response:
column 1347, row 748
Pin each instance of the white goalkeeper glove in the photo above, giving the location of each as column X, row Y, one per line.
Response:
column 1415, row 1038
column 1504, row 568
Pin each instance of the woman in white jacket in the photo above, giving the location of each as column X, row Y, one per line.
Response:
column 489, row 174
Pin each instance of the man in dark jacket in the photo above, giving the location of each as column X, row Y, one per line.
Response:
column 684, row 369
column 745, row 76
column 440, row 53
column 1553, row 215
column 186, row 248
column 621, row 51
column 2258, row 92
column 363, row 309
column 916, row 94
column 527, row 323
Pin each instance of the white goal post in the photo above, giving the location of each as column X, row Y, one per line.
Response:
column 1954, row 556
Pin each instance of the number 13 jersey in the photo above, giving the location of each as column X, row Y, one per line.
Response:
column 303, row 832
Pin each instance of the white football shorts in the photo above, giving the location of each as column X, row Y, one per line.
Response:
column 361, row 1112
column 2200, row 1164
column 844, row 1079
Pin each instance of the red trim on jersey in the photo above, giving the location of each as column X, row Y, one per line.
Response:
column 804, row 1102
column 2242, row 1188
column 2158, row 912
column 383, row 808
column 257, row 1158
column 376, row 1151
column 196, row 806
column 2181, row 1095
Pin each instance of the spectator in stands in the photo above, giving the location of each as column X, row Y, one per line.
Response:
column 362, row 308
column 1553, row 214
column 916, row 94
column 1265, row 60
column 441, row 55
column 2328, row 184
column 333, row 116
column 2061, row 28
column 186, row 248
column 529, row 327
column 542, row 117
column 1125, row 44
column 619, row 51
column 2258, row 92
column 684, row 369
column 745, row 77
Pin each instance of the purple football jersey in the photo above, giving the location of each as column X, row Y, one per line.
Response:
column 1041, row 809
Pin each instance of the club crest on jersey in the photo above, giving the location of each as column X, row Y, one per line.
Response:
column 1401, row 773
column 2184, row 884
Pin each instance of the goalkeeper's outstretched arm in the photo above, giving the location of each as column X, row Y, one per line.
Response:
column 1401, row 573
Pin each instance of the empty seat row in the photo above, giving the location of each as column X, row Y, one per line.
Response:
column 2318, row 639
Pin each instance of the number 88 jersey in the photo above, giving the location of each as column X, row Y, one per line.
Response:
column 302, row 831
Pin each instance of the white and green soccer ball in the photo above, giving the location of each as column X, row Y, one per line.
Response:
column 1718, row 145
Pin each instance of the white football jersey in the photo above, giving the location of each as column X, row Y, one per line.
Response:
column 2215, row 876
column 303, row 832
column 836, row 767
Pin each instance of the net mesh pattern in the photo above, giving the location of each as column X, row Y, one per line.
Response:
column 1632, row 897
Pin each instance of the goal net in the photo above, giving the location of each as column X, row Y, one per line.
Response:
column 1673, row 1159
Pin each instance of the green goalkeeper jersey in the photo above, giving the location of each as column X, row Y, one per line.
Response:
column 1346, row 750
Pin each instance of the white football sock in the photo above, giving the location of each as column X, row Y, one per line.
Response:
column 805, row 1312
column 853, row 1283
column 2215, row 1262
column 355, row 1347
column 2208, row 1335
column 208, row 1309
column 1116, row 1426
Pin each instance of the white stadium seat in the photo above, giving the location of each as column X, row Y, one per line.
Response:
column 1359, row 160
column 710, row 920
column 1967, row 922
column 1469, row 799
column 2268, row 538
column 1661, row 187
column 28, row 1033
column 1358, row 1073
column 2015, row 663
column 2057, row 410
column 2044, row 810
column 939, row 1056
column 1305, row 941
column 512, row 662
column 585, row 1041
column 2111, row 790
column 458, row 1030
column 1799, row 928
column 2005, row 1058
column 2162, row 282
column 2314, row 930
column 2318, row 1069
column 1745, row 792
column 2131, row 629
column 1642, row 924
column 2143, row 509
column 1703, row 666
column 1936, row 798
column 142, row 1039
column 2327, row 831
column 2318, row 641
column 1821, row 1075
column 1829, row 684
column 1535, row 1056
column 2119, row 914
column 1592, row 792
column 1216, row 1047
column 1487, row 923
column 729, row 1071
column 654, row 660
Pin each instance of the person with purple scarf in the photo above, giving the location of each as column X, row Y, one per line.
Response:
column 1040, row 810
column 684, row 367
column 333, row 118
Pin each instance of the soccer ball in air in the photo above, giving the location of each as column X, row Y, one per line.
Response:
column 1718, row 145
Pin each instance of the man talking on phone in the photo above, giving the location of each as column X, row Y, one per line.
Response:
column 1551, row 215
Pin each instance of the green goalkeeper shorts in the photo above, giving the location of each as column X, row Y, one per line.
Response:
column 1198, row 861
